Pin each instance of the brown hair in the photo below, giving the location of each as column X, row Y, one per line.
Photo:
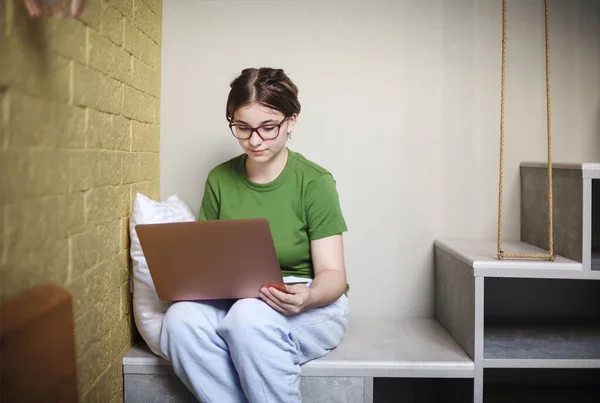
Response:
column 267, row 86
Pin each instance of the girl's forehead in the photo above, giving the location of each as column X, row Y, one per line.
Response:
column 256, row 113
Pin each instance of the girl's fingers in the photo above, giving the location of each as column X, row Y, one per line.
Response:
column 267, row 292
column 282, row 296
column 32, row 8
column 77, row 7
column 296, row 288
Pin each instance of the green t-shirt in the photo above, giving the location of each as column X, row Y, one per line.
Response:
column 301, row 204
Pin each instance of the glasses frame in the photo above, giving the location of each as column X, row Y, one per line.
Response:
column 255, row 129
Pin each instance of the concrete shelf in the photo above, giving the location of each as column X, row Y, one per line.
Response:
column 576, row 201
column 517, row 314
column 531, row 343
column 385, row 347
column 372, row 348
column 478, row 258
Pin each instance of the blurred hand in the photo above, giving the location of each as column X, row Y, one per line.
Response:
column 295, row 300
column 34, row 11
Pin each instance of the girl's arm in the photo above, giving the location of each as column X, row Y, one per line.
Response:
column 330, row 271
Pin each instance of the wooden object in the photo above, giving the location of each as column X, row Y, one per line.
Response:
column 37, row 348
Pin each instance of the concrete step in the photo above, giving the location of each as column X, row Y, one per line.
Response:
column 576, row 210
column 517, row 315
column 373, row 347
column 478, row 258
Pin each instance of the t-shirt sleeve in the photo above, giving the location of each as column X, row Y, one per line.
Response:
column 323, row 210
column 210, row 206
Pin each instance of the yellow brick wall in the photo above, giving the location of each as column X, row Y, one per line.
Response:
column 79, row 136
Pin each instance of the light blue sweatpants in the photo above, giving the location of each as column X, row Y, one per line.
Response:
column 247, row 351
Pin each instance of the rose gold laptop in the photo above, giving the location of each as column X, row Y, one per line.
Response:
column 218, row 259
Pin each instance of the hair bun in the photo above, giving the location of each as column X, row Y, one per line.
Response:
column 271, row 76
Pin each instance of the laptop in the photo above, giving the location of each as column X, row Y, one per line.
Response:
column 216, row 259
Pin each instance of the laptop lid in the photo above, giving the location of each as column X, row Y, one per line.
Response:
column 218, row 259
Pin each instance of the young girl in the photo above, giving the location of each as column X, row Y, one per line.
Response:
column 252, row 349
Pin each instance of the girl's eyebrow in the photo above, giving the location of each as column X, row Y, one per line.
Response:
column 261, row 123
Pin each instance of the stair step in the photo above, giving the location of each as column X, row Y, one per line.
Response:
column 576, row 202
column 516, row 315
column 480, row 260
column 373, row 347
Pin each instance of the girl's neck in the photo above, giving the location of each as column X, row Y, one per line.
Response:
column 266, row 172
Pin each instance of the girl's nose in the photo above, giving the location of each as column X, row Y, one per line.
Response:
column 255, row 139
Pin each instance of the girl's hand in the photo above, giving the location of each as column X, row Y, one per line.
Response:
column 295, row 300
column 33, row 8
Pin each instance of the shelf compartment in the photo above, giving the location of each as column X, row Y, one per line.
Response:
column 537, row 394
column 541, row 385
column 422, row 390
column 541, row 343
column 541, row 323
column 541, row 298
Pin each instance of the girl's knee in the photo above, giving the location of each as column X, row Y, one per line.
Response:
column 177, row 318
column 175, row 327
column 247, row 317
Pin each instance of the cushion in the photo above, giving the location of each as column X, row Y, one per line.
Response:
column 148, row 309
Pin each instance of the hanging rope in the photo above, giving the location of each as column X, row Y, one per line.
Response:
column 501, row 254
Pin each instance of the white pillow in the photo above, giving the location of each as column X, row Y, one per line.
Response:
column 148, row 309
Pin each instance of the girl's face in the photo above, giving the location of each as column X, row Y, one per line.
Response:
column 261, row 131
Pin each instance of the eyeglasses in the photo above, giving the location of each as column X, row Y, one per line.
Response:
column 268, row 131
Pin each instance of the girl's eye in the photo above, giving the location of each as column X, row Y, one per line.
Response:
column 267, row 128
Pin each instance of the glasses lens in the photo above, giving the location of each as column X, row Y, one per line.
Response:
column 241, row 132
column 269, row 131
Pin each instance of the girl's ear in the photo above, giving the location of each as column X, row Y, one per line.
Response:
column 292, row 122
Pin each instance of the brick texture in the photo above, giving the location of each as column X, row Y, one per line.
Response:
column 79, row 136
column 125, row 7
column 146, row 20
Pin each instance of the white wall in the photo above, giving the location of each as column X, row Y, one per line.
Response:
column 401, row 102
